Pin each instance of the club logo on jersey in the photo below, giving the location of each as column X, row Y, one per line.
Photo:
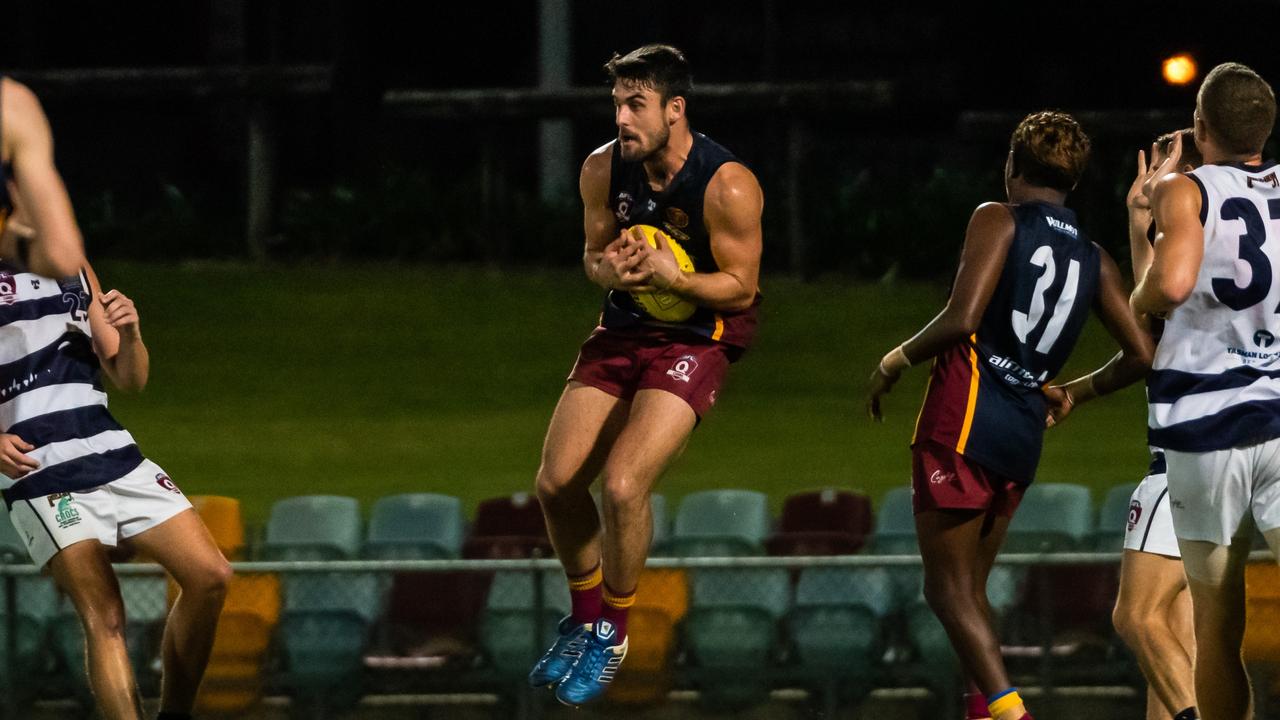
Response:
column 683, row 368
column 1271, row 180
column 1135, row 514
column 8, row 289
column 66, row 515
column 1062, row 227
column 622, row 206
column 163, row 481
column 1262, row 338
column 35, row 284
column 677, row 217
column 938, row 477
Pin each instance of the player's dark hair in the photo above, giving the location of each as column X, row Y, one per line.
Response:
column 1049, row 149
column 660, row 67
column 1190, row 153
column 1239, row 108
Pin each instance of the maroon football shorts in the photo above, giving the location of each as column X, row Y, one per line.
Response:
column 943, row 479
column 622, row 362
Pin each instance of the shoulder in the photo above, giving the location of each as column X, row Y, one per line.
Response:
column 733, row 187
column 597, row 169
column 1177, row 195
column 18, row 101
column 1176, row 185
column 992, row 218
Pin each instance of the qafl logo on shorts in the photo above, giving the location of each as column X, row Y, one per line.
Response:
column 1135, row 514
column 8, row 289
column 685, row 366
column 163, row 481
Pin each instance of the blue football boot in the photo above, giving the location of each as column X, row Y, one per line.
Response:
column 556, row 662
column 594, row 668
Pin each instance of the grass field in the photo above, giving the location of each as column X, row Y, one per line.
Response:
column 367, row 380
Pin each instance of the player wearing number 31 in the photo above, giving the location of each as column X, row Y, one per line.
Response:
column 1026, row 281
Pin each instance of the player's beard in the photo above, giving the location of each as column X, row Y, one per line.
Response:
column 648, row 149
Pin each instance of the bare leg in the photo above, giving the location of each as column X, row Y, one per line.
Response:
column 183, row 546
column 656, row 432
column 1150, row 586
column 582, row 431
column 955, row 554
column 84, row 574
column 1215, row 574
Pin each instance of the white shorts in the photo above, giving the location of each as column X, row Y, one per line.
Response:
column 1221, row 495
column 1150, row 527
column 108, row 513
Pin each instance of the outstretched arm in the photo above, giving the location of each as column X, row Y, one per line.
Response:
column 1179, row 247
column 58, row 250
column 986, row 244
column 1127, row 367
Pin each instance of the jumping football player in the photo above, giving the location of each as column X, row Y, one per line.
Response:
column 1026, row 281
column 640, row 385
column 1214, row 395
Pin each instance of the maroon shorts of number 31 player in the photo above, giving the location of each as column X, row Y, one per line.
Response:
column 623, row 362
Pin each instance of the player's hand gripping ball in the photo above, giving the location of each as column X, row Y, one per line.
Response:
column 663, row 304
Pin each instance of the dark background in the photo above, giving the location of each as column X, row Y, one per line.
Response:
column 157, row 164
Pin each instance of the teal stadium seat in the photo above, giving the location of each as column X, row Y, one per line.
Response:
column 716, row 523
column 512, row 632
column 313, row 527
column 37, row 608
column 1053, row 517
column 836, row 625
column 661, row 522
column 1113, row 518
column 146, row 605
column 415, row 526
column 731, row 631
column 895, row 534
column 12, row 550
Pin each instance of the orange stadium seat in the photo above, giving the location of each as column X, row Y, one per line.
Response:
column 222, row 516
column 662, row 601
column 1262, row 610
column 234, row 679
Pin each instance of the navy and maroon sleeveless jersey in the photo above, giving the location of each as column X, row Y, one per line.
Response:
column 985, row 396
column 677, row 211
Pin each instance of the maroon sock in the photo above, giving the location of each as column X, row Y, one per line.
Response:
column 615, row 609
column 585, row 594
column 975, row 706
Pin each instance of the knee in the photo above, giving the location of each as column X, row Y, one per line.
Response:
column 103, row 619
column 1128, row 623
column 553, row 486
column 947, row 596
column 210, row 582
column 624, row 494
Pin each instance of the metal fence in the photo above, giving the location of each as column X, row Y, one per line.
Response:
column 728, row 632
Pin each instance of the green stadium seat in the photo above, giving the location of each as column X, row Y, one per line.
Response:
column 1113, row 518
column 512, row 631
column 37, row 607
column 895, row 534
column 835, row 625
column 313, row 527
column 661, row 521
column 1053, row 517
column 323, row 654
column 415, row 526
column 12, row 549
column 732, row 631
column 721, row 523
column 145, row 606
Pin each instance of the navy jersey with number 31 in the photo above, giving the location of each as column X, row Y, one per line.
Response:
column 985, row 395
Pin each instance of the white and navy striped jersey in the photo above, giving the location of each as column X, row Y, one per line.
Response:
column 51, row 393
column 1215, row 382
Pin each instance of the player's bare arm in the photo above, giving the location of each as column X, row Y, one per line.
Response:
column 1130, row 365
column 117, row 337
column 733, row 208
column 1179, row 247
column 986, row 244
column 607, row 259
column 28, row 145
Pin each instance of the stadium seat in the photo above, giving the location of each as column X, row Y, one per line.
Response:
column 835, row 625
column 325, row 627
column 732, row 631
column 12, row 549
column 313, row 527
column 1113, row 518
column 1262, row 612
column 895, row 534
column 661, row 521
column 37, row 606
column 222, row 516
column 512, row 631
column 662, row 601
column 1053, row 517
column 721, row 523
column 822, row 522
column 233, row 682
column 415, row 526
column 146, row 606
column 508, row 527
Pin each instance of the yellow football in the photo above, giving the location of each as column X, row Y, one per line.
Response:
column 663, row 304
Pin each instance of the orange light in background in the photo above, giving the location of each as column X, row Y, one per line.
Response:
column 1180, row 69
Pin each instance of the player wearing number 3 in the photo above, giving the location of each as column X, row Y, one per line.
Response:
column 1022, row 294
column 1214, row 395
